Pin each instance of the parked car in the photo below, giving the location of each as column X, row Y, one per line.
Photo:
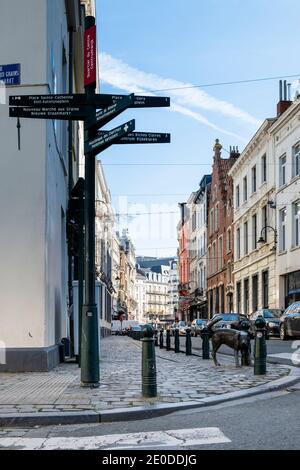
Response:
column 290, row 322
column 182, row 326
column 197, row 326
column 271, row 316
column 236, row 321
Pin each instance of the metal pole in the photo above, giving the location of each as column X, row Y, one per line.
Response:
column 149, row 385
column 90, row 336
column 188, row 342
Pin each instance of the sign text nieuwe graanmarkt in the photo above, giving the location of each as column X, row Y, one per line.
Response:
column 75, row 113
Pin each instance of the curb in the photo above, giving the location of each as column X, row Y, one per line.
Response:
column 142, row 412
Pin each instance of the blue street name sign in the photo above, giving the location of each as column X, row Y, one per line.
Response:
column 10, row 74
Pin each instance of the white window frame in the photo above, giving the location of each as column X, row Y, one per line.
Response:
column 282, row 229
column 282, row 170
column 238, row 243
column 246, row 239
column 296, row 223
column 296, row 160
column 245, row 188
column 263, row 168
column 253, row 179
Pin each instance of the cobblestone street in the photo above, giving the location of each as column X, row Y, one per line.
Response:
column 180, row 378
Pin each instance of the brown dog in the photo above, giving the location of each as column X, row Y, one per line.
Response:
column 235, row 339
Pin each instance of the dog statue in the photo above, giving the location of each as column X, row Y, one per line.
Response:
column 238, row 340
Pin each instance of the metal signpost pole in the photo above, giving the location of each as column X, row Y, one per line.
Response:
column 89, row 359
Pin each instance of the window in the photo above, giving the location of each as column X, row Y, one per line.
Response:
column 282, row 229
column 238, row 243
column 209, row 264
column 229, row 240
column 254, row 232
column 238, row 297
column 217, row 217
column 264, row 221
column 246, row 296
column 282, row 175
column 245, row 238
column 296, row 159
column 254, row 293
column 237, row 197
column 211, row 222
column 214, row 256
column 296, row 225
column 245, row 189
column 229, row 273
column 265, row 289
column 253, row 179
column 263, row 168
column 220, row 257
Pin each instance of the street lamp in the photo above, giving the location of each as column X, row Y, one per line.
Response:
column 262, row 240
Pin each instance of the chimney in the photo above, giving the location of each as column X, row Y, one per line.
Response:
column 182, row 211
column 234, row 152
column 217, row 149
column 284, row 97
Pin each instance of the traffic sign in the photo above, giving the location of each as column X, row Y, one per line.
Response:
column 10, row 74
column 143, row 138
column 99, row 100
column 107, row 114
column 102, row 142
column 74, row 113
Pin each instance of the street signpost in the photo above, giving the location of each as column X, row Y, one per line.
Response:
column 83, row 107
column 142, row 138
column 102, row 142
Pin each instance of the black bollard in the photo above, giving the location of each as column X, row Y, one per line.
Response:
column 149, row 386
column 176, row 341
column 161, row 339
column 205, row 343
column 188, row 342
column 168, row 340
column 156, row 337
column 260, row 347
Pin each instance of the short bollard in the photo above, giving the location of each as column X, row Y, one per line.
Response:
column 161, row 339
column 149, row 386
column 205, row 343
column 176, row 341
column 168, row 340
column 188, row 342
column 156, row 337
column 260, row 347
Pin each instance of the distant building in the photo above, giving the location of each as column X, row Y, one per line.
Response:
column 129, row 267
column 219, row 238
column 183, row 263
column 141, row 295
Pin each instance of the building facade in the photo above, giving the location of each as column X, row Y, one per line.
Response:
column 219, row 237
column 285, row 137
column 38, row 179
column 129, row 274
column 183, row 263
column 253, row 177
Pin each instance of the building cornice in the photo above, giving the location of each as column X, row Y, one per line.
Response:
column 286, row 116
column 255, row 144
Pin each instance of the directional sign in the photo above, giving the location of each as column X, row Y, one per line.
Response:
column 47, row 101
column 99, row 100
column 100, row 143
column 107, row 114
column 143, row 138
column 90, row 56
column 138, row 102
column 74, row 113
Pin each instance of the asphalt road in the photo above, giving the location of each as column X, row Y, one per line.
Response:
column 269, row 421
column 283, row 352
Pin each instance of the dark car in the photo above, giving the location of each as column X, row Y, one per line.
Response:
column 271, row 316
column 197, row 326
column 236, row 321
column 290, row 322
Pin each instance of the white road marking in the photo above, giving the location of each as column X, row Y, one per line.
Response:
column 284, row 355
column 156, row 439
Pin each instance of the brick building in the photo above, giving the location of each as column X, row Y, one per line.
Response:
column 183, row 263
column 220, row 234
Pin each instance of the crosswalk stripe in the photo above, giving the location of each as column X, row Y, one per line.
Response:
column 153, row 439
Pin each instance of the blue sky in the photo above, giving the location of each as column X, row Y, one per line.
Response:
column 149, row 45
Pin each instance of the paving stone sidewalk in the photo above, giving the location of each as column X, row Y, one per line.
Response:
column 180, row 378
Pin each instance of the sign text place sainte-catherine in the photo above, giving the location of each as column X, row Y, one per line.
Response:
column 99, row 100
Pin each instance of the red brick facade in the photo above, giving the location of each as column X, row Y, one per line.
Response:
column 220, row 235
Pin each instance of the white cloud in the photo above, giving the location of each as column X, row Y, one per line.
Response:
column 122, row 76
